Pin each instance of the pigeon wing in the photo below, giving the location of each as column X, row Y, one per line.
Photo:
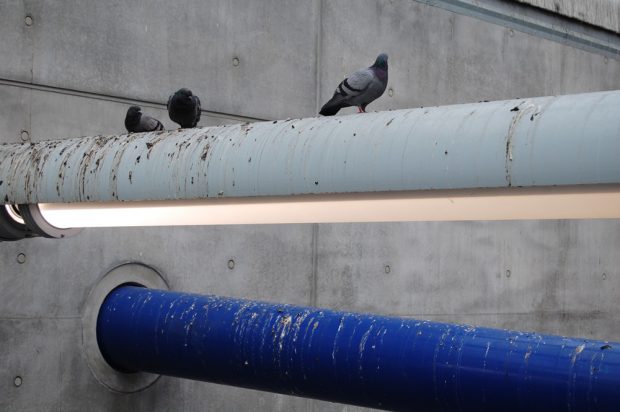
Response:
column 198, row 109
column 148, row 123
column 348, row 91
column 169, row 101
column 357, row 83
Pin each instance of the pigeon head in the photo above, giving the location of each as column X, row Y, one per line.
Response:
column 134, row 111
column 133, row 117
column 381, row 61
column 184, row 98
column 185, row 92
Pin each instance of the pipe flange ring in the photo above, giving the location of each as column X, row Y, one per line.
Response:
column 35, row 222
column 12, row 225
column 127, row 273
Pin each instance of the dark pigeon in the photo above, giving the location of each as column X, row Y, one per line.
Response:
column 360, row 88
column 136, row 122
column 184, row 108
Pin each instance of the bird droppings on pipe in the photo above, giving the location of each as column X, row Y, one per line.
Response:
column 576, row 353
column 526, row 358
column 205, row 152
column 302, row 351
column 164, row 163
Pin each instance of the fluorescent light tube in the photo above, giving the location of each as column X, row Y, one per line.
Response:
column 574, row 202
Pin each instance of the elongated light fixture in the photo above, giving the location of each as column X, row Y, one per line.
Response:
column 539, row 203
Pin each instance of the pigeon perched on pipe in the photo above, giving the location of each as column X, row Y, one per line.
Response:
column 360, row 88
column 136, row 122
column 184, row 108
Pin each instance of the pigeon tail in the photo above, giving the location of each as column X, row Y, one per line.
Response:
column 332, row 106
column 329, row 110
column 159, row 126
column 198, row 110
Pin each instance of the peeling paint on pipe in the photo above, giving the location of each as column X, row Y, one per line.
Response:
column 547, row 141
column 361, row 359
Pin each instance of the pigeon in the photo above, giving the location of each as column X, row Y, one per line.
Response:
column 184, row 108
column 360, row 88
column 136, row 122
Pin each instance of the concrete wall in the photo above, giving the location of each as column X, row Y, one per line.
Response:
column 78, row 66
column 602, row 13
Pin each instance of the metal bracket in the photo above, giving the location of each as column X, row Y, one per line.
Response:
column 12, row 225
column 35, row 221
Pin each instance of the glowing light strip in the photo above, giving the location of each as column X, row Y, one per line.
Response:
column 575, row 202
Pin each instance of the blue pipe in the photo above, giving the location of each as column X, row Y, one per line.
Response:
column 360, row 359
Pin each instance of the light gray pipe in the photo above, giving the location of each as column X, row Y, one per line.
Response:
column 547, row 141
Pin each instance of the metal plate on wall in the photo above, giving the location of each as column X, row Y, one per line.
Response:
column 133, row 273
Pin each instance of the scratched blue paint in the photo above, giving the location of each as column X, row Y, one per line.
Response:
column 361, row 359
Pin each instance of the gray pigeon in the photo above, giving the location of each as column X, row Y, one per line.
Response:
column 360, row 88
column 184, row 108
column 136, row 122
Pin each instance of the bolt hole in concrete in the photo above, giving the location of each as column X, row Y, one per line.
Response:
column 391, row 92
column 387, row 269
column 28, row 20
column 17, row 381
column 231, row 264
column 24, row 135
column 235, row 61
column 21, row 258
column 508, row 273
